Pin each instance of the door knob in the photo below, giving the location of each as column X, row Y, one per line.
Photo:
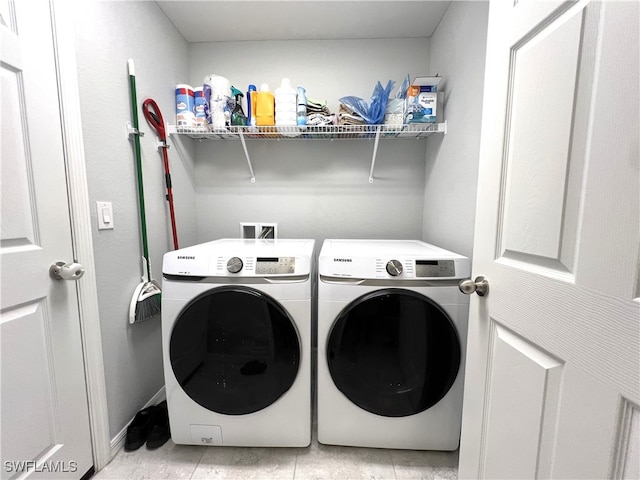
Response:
column 66, row 271
column 480, row 285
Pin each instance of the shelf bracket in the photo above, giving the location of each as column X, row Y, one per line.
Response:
column 246, row 154
column 375, row 153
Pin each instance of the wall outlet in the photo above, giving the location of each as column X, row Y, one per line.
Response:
column 265, row 230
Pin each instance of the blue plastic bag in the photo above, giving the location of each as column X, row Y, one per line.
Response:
column 372, row 113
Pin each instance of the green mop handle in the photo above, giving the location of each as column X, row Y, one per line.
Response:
column 136, row 141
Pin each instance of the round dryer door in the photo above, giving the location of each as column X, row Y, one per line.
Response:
column 393, row 352
column 234, row 350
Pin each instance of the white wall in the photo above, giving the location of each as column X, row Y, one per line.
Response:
column 458, row 55
column 313, row 189
column 109, row 33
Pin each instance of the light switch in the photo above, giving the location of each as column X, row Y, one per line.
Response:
column 105, row 215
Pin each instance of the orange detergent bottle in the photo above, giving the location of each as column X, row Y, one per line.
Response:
column 265, row 106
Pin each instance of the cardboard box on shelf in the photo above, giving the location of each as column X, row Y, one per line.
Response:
column 424, row 102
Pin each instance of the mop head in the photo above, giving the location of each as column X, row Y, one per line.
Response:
column 145, row 302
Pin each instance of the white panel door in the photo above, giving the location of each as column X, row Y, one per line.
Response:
column 553, row 365
column 45, row 419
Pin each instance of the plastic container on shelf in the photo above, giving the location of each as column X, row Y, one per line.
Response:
column 237, row 115
column 217, row 92
column 185, row 101
column 200, row 109
column 265, row 107
column 251, row 105
column 286, row 106
column 301, row 106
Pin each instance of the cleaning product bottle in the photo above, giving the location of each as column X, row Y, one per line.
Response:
column 217, row 92
column 286, row 106
column 301, row 110
column 200, row 109
column 265, row 106
column 251, row 105
column 237, row 115
column 185, row 104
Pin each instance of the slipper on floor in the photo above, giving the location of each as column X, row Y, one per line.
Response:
column 159, row 432
column 138, row 430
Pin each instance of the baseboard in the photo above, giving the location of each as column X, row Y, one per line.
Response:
column 117, row 442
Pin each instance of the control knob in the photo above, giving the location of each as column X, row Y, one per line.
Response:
column 234, row 265
column 394, row 268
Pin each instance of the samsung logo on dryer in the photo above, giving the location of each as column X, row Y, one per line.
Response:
column 343, row 260
column 186, row 257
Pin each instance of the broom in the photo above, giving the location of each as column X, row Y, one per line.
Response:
column 145, row 302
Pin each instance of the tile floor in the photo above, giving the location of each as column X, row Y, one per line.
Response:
column 315, row 462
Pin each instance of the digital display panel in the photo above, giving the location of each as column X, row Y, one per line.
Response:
column 435, row 268
column 275, row 265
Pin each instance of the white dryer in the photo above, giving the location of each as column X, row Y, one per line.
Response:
column 236, row 339
column 392, row 329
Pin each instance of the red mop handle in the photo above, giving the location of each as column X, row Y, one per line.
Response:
column 154, row 117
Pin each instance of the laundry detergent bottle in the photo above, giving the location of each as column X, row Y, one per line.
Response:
column 265, row 107
column 286, row 104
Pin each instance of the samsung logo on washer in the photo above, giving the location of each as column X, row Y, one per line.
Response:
column 343, row 260
column 186, row 257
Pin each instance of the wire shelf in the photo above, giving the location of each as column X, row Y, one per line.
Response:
column 376, row 132
column 415, row 130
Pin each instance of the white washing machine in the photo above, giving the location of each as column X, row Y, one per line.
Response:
column 236, row 339
column 392, row 329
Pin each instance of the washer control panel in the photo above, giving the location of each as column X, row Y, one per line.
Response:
column 275, row 265
column 250, row 266
column 241, row 258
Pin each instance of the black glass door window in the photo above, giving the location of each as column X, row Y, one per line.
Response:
column 393, row 352
column 234, row 350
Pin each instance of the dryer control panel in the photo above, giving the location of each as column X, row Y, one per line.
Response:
column 435, row 268
column 411, row 268
column 398, row 268
column 392, row 260
column 418, row 268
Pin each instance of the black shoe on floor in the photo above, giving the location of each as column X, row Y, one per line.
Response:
column 138, row 430
column 159, row 432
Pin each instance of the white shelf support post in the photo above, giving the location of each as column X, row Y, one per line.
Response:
column 375, row 153
column 246, row 154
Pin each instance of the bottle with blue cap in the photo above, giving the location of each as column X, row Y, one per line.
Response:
column 251, row 105
column 301, row 108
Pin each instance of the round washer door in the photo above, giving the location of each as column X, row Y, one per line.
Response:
column 393, row 352
column 234, row 350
